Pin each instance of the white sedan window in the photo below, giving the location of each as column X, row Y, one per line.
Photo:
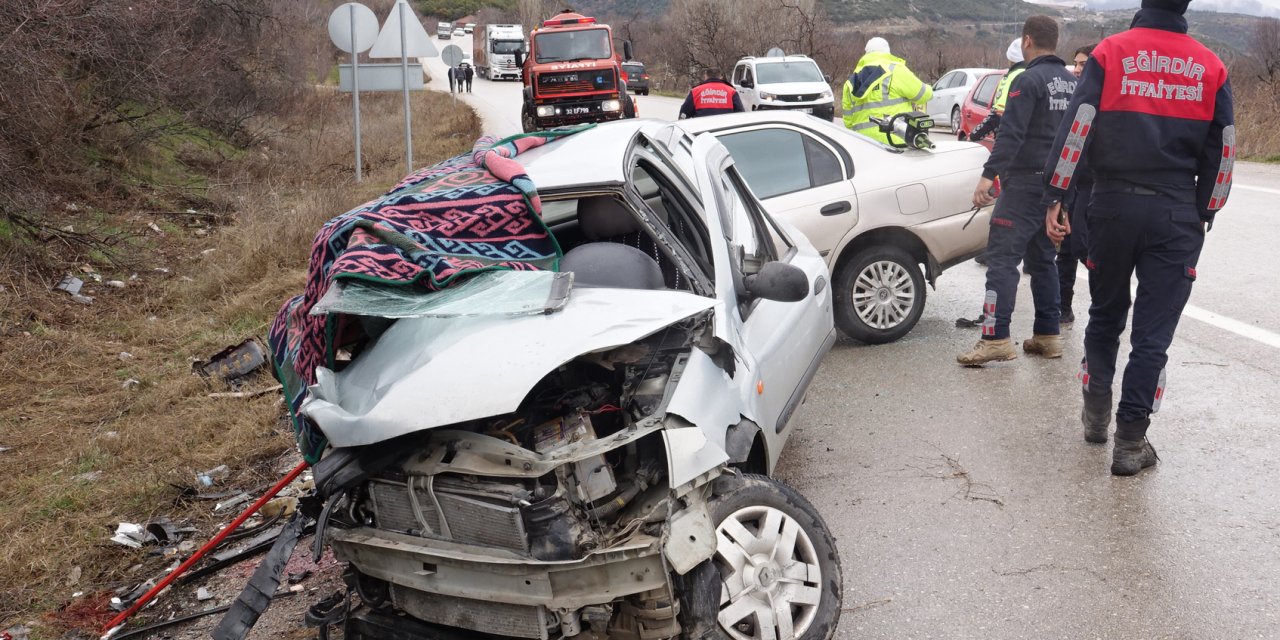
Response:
column 780, row 161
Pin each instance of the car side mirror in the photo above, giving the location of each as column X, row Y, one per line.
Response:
column 827, row 77
column 778, row 281
column 627, row 50
column 519, row 58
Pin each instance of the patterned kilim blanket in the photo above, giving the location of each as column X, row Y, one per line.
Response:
column 472, row 213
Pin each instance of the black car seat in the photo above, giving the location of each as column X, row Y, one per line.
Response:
column 605, row 221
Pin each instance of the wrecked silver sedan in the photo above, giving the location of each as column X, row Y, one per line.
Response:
column 586, row 453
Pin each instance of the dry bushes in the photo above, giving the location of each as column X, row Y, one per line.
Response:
column 63, row 409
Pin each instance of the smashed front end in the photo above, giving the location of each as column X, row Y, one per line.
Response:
column 555, row 518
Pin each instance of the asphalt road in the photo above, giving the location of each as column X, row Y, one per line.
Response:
column 965, row 502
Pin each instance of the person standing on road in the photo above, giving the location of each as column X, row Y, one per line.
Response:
column 1037, row 101
column 1074, row 248
column 881, row 87
column 1154, row 120
column 453, row 78
column 468, row 74
column 711, row 97
column 990, row 125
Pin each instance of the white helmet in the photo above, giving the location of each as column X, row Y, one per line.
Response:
column 877, row 45
column 1014, row 54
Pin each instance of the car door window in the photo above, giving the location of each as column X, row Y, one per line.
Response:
column 986, row 90
column 777, row 161
column 948, row 81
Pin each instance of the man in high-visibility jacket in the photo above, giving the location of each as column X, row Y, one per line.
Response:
column 991, row 123
column 881, row 87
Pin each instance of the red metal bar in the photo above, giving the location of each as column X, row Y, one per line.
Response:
column 110, row 629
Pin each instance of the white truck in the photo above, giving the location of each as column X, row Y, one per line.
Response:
column 495, row 51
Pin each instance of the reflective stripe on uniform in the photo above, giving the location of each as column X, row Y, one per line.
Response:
column 885, row 86
column 1222, row 186
column 876, row 105
column 1069, row 159
column 919, row 96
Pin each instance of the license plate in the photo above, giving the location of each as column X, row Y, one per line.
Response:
column 807, row 110
column 577, row 111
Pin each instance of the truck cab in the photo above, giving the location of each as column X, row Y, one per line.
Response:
column 444, row 30
column 573, row 75
column 496, row 51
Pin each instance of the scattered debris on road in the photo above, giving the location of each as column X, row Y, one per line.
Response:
column 234, row 362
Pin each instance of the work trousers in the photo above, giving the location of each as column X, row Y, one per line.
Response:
column 1018, row 234
column 1159, row 237
column 1075, row 247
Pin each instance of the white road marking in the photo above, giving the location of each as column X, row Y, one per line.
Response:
column 1220, row 321
column 1246, row 187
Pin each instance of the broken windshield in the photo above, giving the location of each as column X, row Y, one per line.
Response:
column 589, row 44
column 510, row 293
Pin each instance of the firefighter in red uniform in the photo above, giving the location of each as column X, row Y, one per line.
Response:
column 1153, row 117
column 712, row 97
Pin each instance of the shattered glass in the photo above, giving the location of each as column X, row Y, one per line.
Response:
column 512, row 293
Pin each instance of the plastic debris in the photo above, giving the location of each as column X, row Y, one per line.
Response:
column 117, row 284
column 233, row 362
column 125, row 356
column 232, row 502
column 203, row 594
column 70, row 284
column 89, row 476
column 82, row 299
column 213, row 476
column 4, row 449
column 73, row 578
column 16, row 632
column 131, row 383
column 129, row 535
column 154, row 227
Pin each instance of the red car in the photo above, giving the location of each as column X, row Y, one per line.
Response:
column 978, row 104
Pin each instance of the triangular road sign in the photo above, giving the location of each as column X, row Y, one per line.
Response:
column 417, row 42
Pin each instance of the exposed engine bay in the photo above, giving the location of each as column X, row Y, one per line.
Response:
column 540, row 523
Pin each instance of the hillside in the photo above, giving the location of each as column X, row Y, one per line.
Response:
column 846, row 11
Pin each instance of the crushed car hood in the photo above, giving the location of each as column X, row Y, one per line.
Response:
column 432, row 372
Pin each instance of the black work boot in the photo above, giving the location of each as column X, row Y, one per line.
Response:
column 1095, row 415
column 1132, row 452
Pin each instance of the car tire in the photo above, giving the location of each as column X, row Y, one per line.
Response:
column 955, row 119
column 526, row 120
column 739, row 517
column 879, row 294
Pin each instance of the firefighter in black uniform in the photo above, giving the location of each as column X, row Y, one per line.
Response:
column 711, row 97
column 1153, row 118
column 1038, row 98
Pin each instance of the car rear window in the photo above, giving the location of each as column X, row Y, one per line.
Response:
column 986, row 90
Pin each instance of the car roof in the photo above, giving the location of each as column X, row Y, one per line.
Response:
column 560, row 163
column 767, row 60
column 979, row 71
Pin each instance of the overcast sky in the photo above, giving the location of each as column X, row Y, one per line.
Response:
column 1251, row 7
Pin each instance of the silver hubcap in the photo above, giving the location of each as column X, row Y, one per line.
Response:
column 883, row 294
column 770, row 574
column 955, row 121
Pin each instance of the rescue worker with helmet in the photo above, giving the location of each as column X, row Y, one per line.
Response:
column 711, row 97
column 1153, row 117
column 881, row 87
column 991, row 123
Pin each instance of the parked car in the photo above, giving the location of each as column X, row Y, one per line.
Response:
column 637, row 77
column 784, row 82
column 469, row 27
column 459, row 32
column 886, row 220
column 949, row 93
column 553, row 474
column 977, row 105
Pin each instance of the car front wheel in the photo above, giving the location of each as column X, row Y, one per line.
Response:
column 775, row 573
column 879, row 295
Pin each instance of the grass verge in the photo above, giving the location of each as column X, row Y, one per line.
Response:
column 101, row 417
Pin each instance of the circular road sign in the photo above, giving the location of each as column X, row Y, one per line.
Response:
column 365, row 32
column 775, row 52
column 452, row 55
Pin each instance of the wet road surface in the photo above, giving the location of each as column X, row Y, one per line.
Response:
column 965, row 502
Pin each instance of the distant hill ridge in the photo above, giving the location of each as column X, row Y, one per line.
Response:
column 856, row 10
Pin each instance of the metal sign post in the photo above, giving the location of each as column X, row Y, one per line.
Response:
column 403, row 37
column 354, row 34
column 452, row 56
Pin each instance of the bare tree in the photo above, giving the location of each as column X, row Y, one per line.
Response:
column 1264, row 45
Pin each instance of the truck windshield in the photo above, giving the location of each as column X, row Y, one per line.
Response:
column 777, row 72
column 508, row 46
column 590, row 44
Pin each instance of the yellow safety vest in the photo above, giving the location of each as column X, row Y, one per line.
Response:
column 1002, row 89
column 895, row 92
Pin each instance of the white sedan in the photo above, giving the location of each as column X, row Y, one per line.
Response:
column 949, row 93
column 876, row 214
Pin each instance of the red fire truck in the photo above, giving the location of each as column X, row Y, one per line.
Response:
column 573, row 75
